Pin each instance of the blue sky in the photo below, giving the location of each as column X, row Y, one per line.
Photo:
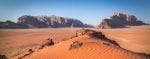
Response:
column 88, row 11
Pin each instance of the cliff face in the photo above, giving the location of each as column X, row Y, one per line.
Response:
column 118, row 20
column 47, row 21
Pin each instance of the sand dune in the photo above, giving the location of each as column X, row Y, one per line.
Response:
column 81, row 45
column 16, row 41
column 134, row 39
column 92, row 48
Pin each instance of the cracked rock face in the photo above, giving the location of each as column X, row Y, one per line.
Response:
column 119, row 20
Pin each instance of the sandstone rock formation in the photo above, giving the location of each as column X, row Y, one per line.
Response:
column 119, row 20
column 53, row 21
column 49, row 21
column 95, row 34
column 48, row 42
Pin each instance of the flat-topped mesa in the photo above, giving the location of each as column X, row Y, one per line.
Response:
column 119, row 20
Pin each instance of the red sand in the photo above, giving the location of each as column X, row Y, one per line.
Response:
column 16, row 41
column 91, row 49
column 135, row 39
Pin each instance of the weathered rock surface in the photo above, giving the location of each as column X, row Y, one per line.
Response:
column 119, row 20
column 50, row 21
column 53, row 21
column 75, row 45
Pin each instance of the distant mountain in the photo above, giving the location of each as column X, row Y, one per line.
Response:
column 53, row 21
column 10, row 24
column 119, row 20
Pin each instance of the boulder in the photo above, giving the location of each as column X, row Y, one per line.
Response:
column 75, row 45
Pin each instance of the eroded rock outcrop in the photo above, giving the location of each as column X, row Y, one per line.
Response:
column 50, row 21
column 95, row 34
column 75, row 45
column 119, row 20
column 48, row 42
column 53, row 21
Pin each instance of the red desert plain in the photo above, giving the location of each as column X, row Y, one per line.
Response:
column 76, row 43
column 16, row 41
